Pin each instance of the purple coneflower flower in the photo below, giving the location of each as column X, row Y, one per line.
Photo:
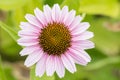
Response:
column 55, row 39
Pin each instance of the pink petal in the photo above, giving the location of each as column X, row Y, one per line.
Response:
column 33, row 58
column 40, row 16
column 55, row 12
column 83, row 44
column 30, row 49
column 60, row 70
column 75, row 22
column 24, row 33
column 77, row 58
column 69, row 17
column 33, row 20
column 50, row 65
column 40, row 67
column 81, row 53
column 27, row 41
column 83, row 36
column 28, row 26
column 84, row 53
column 68, row 62
column 80, row 28
column 63, row 13
column 47, row 13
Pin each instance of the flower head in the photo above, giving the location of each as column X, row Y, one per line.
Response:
column 55, row 39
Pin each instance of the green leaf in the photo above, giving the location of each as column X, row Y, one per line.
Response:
column 44, row 77
column 102, row 7
column 12, row 4
column 12, row 32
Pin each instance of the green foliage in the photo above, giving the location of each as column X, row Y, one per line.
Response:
column 102, row 7
column 12, row 4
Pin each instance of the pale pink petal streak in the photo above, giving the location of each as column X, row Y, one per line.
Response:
column 55, row 13
column 83, row 44
column 69, row 17
column 60, row 70
column 27, row 41
column 83, row 36
column 75, row 22
column 81, row 53
column 32, row 19
column 40, row 67
column 48, row 14
column 28, row 26
column 40, row 16
column 26, row 33
column 50, row 65
column 30, row 49
column 80, row 28
column 68, row 62
column 63, row 13
column 33, row 58
column 77, row 58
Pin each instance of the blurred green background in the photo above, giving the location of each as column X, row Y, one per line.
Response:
column 104, row 17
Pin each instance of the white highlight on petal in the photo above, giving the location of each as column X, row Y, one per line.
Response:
column 32, row 19
column 40, row 67
column 33, row 58
column 50, row 65
column 63, row 13
column 55, row 12
column 40, row 16
column 75, row 22
column 48, row 14
column 80, row 28
column 60, row 70
column 69, row 17
column 68, row 62
column 83, row 36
